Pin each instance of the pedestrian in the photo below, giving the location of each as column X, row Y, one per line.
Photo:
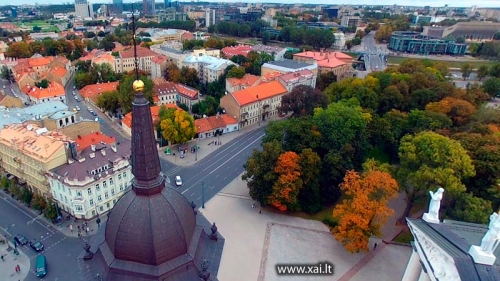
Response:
column 15, row 268
column 1, row 257
column 374, row 246
column 253, row 206
column 19, row 268
column 87, row 230
column 71, row 228
column 260, row 212
column 78, row 228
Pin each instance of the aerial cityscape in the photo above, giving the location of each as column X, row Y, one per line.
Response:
column 200, row 140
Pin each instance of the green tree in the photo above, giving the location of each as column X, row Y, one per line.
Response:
column 126, row 95
column 236, row 72
column 44, row 84
column 466, row 70
column 309, row 195
column 482, row 72
column 265, row 38
column 429, row 160
column 259, row 171
column 7, row 74
column 469, row 208
column 50, row 210
column 109, row 101
column 19, row 50
column 302, row 100
column 495, row 70
column 5, row 183
column 38, row 202
column 177, row 126
column 25, row 195
column 492, row 86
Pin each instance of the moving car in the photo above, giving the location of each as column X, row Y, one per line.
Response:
column 74, row 109
column 21, row 240
column 41, row 266
column 36, row 245
column 77, row 108
column 178, row 180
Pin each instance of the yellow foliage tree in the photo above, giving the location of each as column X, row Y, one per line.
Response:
column 459, row 110
column 177, row 126
column 364, row 209
column 286, row 188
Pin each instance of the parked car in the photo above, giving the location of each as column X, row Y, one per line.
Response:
column 77, row 108
column 178, row 180
column 36, row 245
column 89, row 108
column 21, row 240
column 93, row 113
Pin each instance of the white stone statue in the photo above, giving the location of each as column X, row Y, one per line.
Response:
column 433, row 214
column 489, row 241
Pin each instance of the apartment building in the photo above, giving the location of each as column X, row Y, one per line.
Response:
column 92, row 181
column 54, row 92
column 158, row 65
column 210, row 126
column 303, row 77
column 209, row 68
column 28, row 152
column 287, row 66
column 237, row 84
column 155, row 115
column 175, row 56
column 164, row 35
column 337, row 62
column 255, row 104
column 125, row 61
column 31, row 70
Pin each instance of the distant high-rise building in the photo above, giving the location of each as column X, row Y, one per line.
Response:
column 13, row 12
column 148, row 7
column 117, row 6
column 168, row 3
column 84, row 9
column 209, row 17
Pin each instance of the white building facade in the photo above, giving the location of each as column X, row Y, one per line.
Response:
column 91, row 183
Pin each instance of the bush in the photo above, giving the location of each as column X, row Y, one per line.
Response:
column 330, row 222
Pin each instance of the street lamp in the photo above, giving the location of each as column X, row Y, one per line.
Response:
column 203, row 195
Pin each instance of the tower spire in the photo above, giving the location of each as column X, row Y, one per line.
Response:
column 148, row 178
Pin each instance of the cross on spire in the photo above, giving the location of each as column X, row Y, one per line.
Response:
column 136, row 62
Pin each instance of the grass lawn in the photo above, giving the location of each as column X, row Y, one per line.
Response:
column 404, row 237
column 354, row 55
column 449, row 63
column 324, row 215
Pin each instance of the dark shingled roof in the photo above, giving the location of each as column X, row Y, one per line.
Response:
column 447, row 236
column 80, row 170
column 150, row 229
column 292, row 64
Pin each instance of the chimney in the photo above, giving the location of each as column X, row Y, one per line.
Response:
column 321, row 52
column 326, row 55
column 92, row 155
column 113, row 147
column 92, row 146
column 103, row 152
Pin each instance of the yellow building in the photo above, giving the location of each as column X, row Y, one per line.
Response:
column 29, row 152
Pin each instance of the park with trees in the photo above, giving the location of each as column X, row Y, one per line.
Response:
column 360, row 142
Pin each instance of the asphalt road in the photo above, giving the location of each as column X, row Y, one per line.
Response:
column 61, row 251
column 216, row 171
column 375, row 57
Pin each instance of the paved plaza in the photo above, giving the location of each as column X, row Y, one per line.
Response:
column 255, row 243
column 9, row 263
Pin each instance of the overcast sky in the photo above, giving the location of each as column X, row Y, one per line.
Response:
column 434, row 3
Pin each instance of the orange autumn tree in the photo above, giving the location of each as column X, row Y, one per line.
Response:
column 364, row 209
column 459, row 110
column 286, row 188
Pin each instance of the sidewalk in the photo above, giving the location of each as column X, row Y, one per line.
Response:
column 10, row 261
column 64, row 225
column 207, row 145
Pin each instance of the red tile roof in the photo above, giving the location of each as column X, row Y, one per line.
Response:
column 42, row 61
column 327, row 59
column 159, row 59
column 141, row 52
column 271, row 76
column 304, row 73
column 85, row 141
column 186, row 91
column 97, row 89
column 247, row 80
column 260, row 92
column 213, row 122
column 165, row 88
column 58, row 71
column 53, row 90
column 155, row 114
column 237, row 50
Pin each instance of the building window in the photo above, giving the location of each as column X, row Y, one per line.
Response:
column 99, row 198
column 113, row 191
column 101, row 209
column 97, row 187
column 121, row 187
column 119, row 177
column 66, row 199
column 91, row 202
column 79, row 207
column 111, row 181
column 79, row 194
column 106, row 195
column 104, row 184
column 124, row 175
column 89, row 191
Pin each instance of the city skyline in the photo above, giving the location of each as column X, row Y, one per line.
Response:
column 439, row 3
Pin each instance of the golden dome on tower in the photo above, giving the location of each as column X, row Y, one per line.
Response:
column 138, row 86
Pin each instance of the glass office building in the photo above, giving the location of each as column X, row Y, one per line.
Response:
column 415, row 43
